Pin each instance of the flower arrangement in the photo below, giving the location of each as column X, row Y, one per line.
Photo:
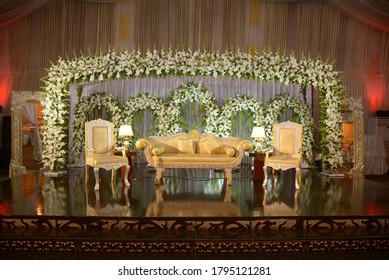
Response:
column 218, row 121
column 144, row 101
column 300, row 112
column 237, row 104
column 192, row 92
column 84, row 109
column 131, row 64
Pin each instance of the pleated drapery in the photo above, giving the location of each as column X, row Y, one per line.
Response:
column 351, row 33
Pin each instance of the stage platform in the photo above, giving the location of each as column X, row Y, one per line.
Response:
column 194, row 215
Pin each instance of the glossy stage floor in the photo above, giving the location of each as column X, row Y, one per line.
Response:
column 194, row 215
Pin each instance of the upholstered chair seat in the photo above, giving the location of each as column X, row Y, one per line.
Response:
column 100, row 150
column 286, row 150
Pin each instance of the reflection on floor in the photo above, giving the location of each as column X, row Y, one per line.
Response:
column 198, row 204
column 192, row 193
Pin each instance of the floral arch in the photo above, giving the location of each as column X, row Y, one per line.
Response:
column 236, row 104
column 299, row 109
column 144, row 101
column 84, row 109
column 130, row 64
column 192, row 92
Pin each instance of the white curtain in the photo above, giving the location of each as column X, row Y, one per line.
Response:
column 29, row 112
column 351, row 33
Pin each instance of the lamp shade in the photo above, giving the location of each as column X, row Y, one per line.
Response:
column 258, row 132
column 126, row 130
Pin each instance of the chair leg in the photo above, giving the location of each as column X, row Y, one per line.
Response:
column 113, row 180
column 127, row 187
column 86, row 176
column 126, row 176
column 265, row 176
column 297, row 178
column 97, row 178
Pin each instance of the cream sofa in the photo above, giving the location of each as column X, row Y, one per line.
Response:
column 194, row 150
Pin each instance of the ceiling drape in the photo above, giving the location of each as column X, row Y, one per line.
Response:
column 13, row 10
column 353, row 34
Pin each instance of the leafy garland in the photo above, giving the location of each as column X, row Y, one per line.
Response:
column 132, row 64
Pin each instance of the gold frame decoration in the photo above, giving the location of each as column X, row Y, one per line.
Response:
column 355, row 105
column 18, row 100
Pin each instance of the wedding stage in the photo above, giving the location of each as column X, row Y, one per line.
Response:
column 194, row 215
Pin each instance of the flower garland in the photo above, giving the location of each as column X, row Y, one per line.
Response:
column 236, row 104
column 272, row 115
column 82, row 113
column 330, row 121
column 126, row 64
column 144, row 101
column 192, row 92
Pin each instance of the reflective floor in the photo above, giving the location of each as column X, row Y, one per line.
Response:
column 192, row 193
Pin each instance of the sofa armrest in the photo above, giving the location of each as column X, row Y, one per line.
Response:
column 157, row 151
column 229, row 151
column 242, row 145
column 143, row 143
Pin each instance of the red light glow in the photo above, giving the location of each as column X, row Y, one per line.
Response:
column 375, row 90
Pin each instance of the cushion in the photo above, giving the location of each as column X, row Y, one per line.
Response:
column 106, row 160
column 210, row 144
column 203, row 160
column 186, row 146
column 157, row 151
column 287, row 141
column 100, row 139
column 230, row 151
column 225, row 149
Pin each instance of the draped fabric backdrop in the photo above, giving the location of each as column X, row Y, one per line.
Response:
column 353, row 34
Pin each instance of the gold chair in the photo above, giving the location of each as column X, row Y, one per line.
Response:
column 287, row 144
column 100, row 150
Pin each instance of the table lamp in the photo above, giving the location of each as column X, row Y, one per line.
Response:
column 126, row 132
column 258, row 134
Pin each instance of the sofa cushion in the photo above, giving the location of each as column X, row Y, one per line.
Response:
column 198, row 158
column 186, row 145
column 104, row 160
column 230, row 151
column 209, row 144
column 157, row 151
